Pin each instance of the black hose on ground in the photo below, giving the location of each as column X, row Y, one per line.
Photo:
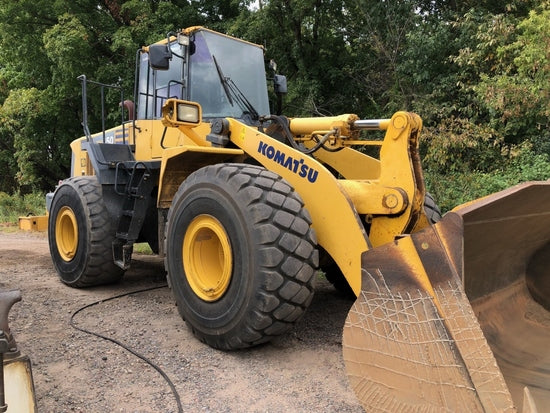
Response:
column 125, row 347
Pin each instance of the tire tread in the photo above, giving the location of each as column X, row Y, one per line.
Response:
column 98, row 267
column 287, row 251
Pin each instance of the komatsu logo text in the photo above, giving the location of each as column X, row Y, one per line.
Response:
column 298, row 166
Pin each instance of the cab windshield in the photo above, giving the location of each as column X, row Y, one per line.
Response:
column 219, row 61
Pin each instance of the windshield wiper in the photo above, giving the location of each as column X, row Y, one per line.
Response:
column 242, row 100
column 233, row 92
column 223, row 81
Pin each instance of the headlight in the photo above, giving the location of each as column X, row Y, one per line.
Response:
column 187, row 112
column 177, row 112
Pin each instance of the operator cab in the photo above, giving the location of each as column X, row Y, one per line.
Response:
column 226, row 76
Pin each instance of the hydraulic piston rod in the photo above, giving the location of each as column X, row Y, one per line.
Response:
column 371, row 124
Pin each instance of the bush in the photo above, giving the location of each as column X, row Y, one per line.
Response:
column 458, row 146
column 453, row 189
column 14, row 206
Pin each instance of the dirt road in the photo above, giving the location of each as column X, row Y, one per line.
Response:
column 74, row 371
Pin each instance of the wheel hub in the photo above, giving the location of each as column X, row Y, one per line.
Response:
column 66, row 233
column 207, row 258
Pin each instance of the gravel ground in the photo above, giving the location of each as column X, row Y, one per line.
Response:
column 75, row 371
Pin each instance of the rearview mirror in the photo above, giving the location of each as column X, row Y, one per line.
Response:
column 279, row 84
column 159, row 56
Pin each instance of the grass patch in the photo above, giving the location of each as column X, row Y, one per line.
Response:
column 143, row 248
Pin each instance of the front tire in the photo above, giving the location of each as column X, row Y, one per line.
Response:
column 240, row 254
column 80, row 235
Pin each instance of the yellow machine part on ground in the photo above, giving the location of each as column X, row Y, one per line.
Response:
column 33, row 223
column 19, row 390
column 455, row 317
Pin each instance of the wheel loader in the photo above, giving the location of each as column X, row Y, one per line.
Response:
column 245, row 205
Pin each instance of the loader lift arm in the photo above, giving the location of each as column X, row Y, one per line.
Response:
column 391, row 195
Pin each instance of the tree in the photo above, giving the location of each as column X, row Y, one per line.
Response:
column 476, row 71
column 518, row 95
column 445, row 71
column 39, row 90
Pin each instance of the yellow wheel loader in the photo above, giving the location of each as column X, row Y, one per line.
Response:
column 244, row 205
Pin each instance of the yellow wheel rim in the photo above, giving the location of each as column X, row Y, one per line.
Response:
column 207, row 258
column 66, row 233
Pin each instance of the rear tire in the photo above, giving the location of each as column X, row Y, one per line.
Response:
column 431, row 209
column 334, row 275
column 80, row 235
column 240, row 254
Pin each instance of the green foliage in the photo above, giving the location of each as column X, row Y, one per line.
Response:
column 478, row 78
column 68, row 48
column 302, row 37
column 477, row 72
column 518, row 95
column 457, row 146
column 453, row 189
column 14, row 206
column 44, row 46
